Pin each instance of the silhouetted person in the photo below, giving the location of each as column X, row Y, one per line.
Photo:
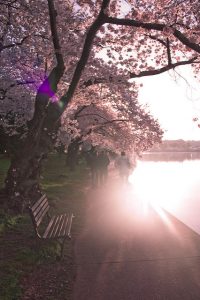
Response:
column 102, row 165
column 123, row 165
column 91, row 159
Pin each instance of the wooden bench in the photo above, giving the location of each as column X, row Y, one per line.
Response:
column 57, row 227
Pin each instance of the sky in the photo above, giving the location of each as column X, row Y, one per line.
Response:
column 174, row 100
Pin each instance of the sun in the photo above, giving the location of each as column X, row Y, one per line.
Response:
column 156, row 185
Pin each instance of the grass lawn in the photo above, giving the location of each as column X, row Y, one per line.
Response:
column 29, row 270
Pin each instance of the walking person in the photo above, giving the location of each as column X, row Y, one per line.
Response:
column 102, row 165
column 124, row 166
column 92, row 161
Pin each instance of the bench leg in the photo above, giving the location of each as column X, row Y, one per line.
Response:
column 62, row 248
column 62, row 244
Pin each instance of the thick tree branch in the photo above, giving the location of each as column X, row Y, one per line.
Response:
column 100, row 20
column 154, row 26
column 163, row 69
column 55, row 38
column 142, row 73
column 49, row 86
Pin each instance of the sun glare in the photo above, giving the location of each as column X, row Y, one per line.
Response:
column 161, row 186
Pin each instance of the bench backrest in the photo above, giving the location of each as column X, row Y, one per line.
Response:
column 38, row 212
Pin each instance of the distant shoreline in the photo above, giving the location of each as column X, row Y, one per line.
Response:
column 171, row 151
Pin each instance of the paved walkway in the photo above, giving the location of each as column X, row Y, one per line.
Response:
column 128, row 250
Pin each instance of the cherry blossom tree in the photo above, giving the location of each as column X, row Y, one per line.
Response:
column 114, row 120
column 65, row 47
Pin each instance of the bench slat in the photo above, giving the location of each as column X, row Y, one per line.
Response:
column 65, row 222
column 42, row 214
column 50, row 235
column 62, row 225
column 39, row 207
column 48, row 227
column 57, row 226
column 38, row 203
column 42, row 208
column 69, row 225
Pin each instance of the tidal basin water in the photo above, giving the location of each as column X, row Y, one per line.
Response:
column 170, row 181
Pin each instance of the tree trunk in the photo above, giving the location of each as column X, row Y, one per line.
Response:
column 22, row 178
column 22, row 181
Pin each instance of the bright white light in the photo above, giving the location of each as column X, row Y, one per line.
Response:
column 159, row 184
column 174, row 102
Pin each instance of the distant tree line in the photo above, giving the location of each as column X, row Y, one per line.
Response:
column 177, row 145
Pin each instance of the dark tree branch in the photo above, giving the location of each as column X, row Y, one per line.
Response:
column 49, row 86
column 142, row 73
column 55, row 38
column 108, row 122
column 101, row 126
column 165, row 44
column 3, row 47
column 156, row 39
column 22, row 83
column 92, row 114
column 169, row 53
column 154, row 26
column 100, row 20
column 57, row 72
column 163, row 69
column 5, row 91
column 116, row 121
column 76, row 115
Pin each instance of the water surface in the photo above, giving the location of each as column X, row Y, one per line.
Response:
column 172, row 181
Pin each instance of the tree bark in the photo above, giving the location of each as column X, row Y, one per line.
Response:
column 22, row 182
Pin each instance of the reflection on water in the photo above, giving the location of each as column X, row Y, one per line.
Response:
column 171, row 184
